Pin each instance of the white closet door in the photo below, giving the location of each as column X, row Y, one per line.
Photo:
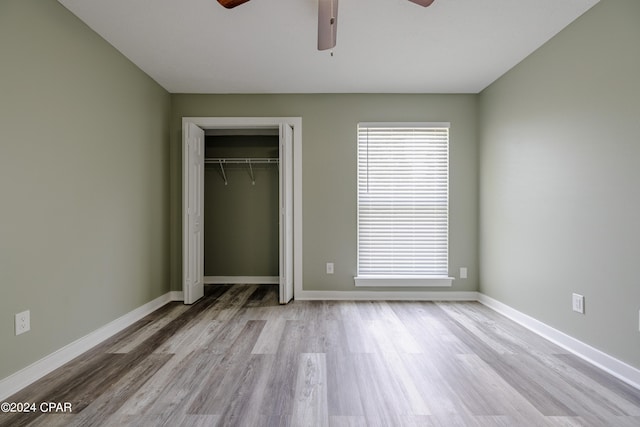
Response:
column 286, row 213
column 193, row 200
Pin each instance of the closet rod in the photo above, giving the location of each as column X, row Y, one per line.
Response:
column 246, row 161
column 254, row 161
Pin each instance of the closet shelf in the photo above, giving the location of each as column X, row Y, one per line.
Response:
column 248, row 161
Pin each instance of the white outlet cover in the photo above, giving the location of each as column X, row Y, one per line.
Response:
column 463, row 272
column 329, row 268
column 578, row 303
column 23, row 322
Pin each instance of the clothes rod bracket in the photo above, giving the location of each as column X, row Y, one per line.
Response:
column 224, row 176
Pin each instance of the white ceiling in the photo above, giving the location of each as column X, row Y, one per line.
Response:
column 383, row 46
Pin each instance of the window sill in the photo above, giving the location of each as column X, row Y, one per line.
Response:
column 403, row 281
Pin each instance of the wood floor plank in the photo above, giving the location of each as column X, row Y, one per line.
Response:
column 222, row 335
column 382, row 397
column 403, row 373
column 330, row 311
column 241, row 404
column 470, row 392
column 198, row 335
column 523, row 377
column 235, row 301
column 257, row 297
column 269, row 340
column 458, row 314
column 359, row 337
column 168, row 413
column 67, row 376
column 174, row 386
column 133, row 340
column 310, row 395
column 278, row 421
column 53, row 420
column 347, row 421
column 553, row 382
column 612, row 402
column 168, row 405
column 234, row 369
column 506, row 399
column 110, row 401
column 606, row 380
column 324, row 336
column 523, row 339
column 344, row 392
column 247, row 410
column 588, row 421
column 432, row 381
column 282, row 377
column 191, row 420
column 427, row 329
column 228, row 301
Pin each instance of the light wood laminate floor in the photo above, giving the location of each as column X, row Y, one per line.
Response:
column 237, row 358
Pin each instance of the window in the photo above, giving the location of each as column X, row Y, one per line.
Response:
column 403, row 204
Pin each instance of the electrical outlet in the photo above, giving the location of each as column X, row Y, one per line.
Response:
column 463, row 272
column 578, row 303
column 329, row 268
column 23, row 322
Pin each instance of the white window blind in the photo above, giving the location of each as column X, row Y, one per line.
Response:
column 403, row 200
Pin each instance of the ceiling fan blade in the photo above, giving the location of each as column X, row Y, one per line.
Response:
column 230, row 4
column 327, row 23
column 424, row 3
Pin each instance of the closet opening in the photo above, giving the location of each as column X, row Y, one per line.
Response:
column 242, row 219
column 241, row 198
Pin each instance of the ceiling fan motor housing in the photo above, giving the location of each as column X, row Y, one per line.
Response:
column 327, row 23
column 230, row 4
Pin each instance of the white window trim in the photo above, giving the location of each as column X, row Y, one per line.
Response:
column 397, row 281
column 404, row 280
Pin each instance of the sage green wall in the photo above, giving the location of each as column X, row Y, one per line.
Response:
column 560, row 168
column 240, row 218
column 329, row 172
column 83, row 181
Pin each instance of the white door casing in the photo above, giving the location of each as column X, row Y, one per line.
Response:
column 193, row 210
column 286, row 213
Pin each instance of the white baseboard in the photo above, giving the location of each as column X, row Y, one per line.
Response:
column 19, row 380
column 613, row 366
column 176, row 296
column 248, row 280
column 408, row 281
column 387, row 295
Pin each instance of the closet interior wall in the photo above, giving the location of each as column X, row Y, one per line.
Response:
column 241, row 228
